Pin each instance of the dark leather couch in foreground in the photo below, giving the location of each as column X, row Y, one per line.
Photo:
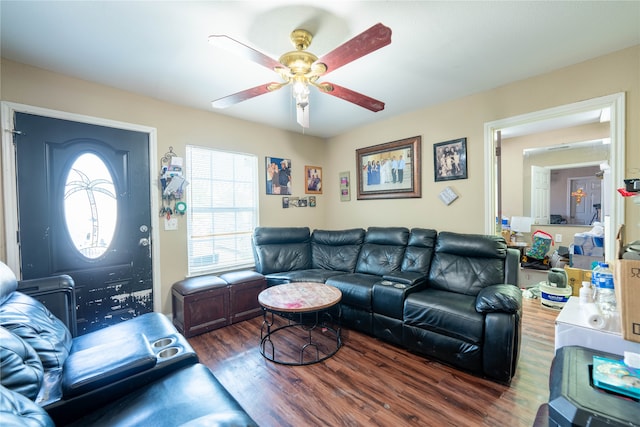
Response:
column 449, row 296
column 138, row 372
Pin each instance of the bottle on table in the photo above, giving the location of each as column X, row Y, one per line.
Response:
column 586, row 294
column 605, row 294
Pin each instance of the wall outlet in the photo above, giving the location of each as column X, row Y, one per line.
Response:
column 171, row 224
column 558, row 238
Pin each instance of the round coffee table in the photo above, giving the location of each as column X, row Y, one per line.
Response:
column 301, row 323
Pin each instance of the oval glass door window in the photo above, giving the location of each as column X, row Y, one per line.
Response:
column 90, row 205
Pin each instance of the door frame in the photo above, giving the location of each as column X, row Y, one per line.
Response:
column 9, row 181
column 616, row 103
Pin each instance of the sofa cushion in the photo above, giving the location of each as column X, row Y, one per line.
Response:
column 394, row 236
column 383, row 250
column 379, row 259
column 279, row 249
column 18, row 411
column 30, row 320
column 471, row 245
column 176, row 399
column 20, row 366
column 316, row 275
column 356, row 288
column 336, row 249
column 465, row 263
column 419, row 251
column 445, row 313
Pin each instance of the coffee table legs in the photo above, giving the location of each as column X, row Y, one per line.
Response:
column 303, row 339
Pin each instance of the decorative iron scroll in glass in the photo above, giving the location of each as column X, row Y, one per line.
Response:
column 90, row 205
column 173, row 183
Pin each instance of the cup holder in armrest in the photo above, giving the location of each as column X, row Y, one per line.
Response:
column 172, row 349
column 163, row 342
column 169, row 352
column 166, row 348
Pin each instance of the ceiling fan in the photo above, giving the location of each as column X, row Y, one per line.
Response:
column 301, row 69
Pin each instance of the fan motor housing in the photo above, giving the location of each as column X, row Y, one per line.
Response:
column 298, row 62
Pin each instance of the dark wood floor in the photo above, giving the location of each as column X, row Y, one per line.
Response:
column 372, row 383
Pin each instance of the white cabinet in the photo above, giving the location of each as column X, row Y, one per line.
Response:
column 572, row 329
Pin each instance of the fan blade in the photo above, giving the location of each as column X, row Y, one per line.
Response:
column 238, row 97
column 351, row 96
column 371, row 40
column 244, row 51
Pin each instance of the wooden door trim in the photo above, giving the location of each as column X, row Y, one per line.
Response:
column 12, row 251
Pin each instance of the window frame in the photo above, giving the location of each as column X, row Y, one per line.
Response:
column 245, row 262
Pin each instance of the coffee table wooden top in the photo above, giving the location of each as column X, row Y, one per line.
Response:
column 299, row 297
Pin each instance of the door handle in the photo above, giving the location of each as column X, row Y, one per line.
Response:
column 143, row 242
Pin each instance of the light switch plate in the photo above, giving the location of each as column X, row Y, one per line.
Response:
column 171, row 224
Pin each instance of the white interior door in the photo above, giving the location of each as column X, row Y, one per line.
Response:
column 588, row 209
column 540, row 191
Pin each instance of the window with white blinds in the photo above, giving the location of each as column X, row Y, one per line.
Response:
column 222, row 200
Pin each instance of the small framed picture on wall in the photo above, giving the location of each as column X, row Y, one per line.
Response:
column 450, row 160
column 278, row 175
column 345, row 186
column 313, row 179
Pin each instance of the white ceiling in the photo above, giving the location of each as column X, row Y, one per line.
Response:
column 440, row 51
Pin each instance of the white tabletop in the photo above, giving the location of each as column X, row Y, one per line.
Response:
column 572, row 328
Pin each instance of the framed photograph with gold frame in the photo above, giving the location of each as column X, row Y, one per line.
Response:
column 391, row 170
column 313, row 180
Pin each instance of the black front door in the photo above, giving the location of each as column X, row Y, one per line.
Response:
column 84, row 210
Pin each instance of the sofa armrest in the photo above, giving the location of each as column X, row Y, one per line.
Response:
column 388, row 295
column 95, row 367
column 42, row 284
column 407, row 277
column 502, row 335
column 499, row 298
column 58, row 294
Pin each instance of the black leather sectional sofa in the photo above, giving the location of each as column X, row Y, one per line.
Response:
column 449, row 296
column 138, row 372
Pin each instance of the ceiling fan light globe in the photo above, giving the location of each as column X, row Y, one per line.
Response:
column 300, row 88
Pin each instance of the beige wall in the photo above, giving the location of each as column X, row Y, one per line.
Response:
column 178, row 126
column 516, row 169
column 618, row 72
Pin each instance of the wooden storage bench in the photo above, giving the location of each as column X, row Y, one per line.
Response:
column 244, row 287
column 202, row 304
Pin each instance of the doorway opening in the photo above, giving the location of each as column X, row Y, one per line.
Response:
column 557, row 118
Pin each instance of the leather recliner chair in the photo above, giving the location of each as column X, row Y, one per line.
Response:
column 77, row 379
